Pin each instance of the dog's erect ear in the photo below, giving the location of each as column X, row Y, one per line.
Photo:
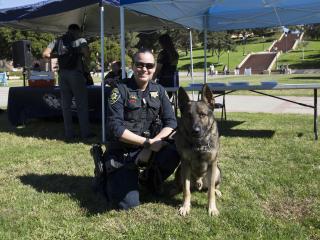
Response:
column 207, row 96
column 183, row 98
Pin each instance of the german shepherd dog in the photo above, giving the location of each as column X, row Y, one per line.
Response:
column 197, row 142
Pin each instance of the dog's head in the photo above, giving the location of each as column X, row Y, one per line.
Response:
column 196, row 116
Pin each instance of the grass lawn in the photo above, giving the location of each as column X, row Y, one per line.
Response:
column 271, row 175
column 293, row 58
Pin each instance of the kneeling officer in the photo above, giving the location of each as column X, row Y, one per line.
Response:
column 136, row 106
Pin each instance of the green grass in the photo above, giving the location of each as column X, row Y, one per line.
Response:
column 270, row 187
column 235, row 57
column 293, row 58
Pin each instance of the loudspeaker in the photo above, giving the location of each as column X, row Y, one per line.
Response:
column 21, row 54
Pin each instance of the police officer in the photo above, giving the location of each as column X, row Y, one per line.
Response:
column 135, row 108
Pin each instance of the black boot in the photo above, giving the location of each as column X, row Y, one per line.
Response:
column 96, row 153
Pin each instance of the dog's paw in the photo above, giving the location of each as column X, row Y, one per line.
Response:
column 213, row 212
column 218, row 193
column 184, row 210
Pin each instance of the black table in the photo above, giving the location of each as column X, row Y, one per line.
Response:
column 31, row 102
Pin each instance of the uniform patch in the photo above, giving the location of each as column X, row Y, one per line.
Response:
column 133, row 98
column 154, row 94
column 114, row 96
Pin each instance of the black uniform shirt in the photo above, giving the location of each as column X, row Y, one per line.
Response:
column 116, row 106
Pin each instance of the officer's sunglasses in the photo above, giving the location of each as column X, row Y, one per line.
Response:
column 146, row 65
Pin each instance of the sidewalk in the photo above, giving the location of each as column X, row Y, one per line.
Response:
column 238, row 103
column 254, row 104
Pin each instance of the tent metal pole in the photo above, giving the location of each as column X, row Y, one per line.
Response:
column 205, row 47
column 191, row 60
column 122, row 44
column 102, row 72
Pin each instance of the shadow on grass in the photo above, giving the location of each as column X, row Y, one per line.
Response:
column 80, row 188
column 225, row 129
column 306, row 78
column 77, row 187
column 169, row 199
column 45, row 128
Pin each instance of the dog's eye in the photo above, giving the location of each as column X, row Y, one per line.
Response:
column 202, row 115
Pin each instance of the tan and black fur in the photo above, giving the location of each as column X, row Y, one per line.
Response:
column 197, row 142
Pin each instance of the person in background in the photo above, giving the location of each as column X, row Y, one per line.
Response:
column 167, row 63
column 36, row 67
column 114, row 76
column 189, row 70
column 72, row 51
column 139, row 117
column 225, row 70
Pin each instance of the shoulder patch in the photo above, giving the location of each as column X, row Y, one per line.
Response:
column 114, row 96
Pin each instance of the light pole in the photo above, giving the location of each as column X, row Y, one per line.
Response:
column 228, row 61
column 276, row 49
column 244, row 40
column 302, row 49
column 286, row 35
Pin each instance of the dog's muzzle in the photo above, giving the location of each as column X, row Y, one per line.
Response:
column 196, row 131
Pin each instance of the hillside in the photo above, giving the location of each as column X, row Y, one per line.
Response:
column 293, row 58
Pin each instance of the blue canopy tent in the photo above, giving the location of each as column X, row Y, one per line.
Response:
column 55, row 16
column 216, row 15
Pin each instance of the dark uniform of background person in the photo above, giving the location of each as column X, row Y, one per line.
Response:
column 113, row 77
column 167, row 63
column 134, row 107
column 71, row 80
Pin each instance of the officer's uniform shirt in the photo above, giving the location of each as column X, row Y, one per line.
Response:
column 121, row 100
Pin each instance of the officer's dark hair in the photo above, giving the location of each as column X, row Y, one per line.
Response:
column 142, row 50
column 73, row 27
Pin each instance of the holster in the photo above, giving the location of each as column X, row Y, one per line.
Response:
column 114, row 162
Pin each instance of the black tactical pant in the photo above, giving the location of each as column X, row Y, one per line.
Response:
column 122, row 184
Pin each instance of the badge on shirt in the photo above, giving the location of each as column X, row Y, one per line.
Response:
column 154, row 94
column 132, row 98
column 114, row 96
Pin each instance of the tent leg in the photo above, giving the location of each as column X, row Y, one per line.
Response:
column 102, row 72
column 122, row 44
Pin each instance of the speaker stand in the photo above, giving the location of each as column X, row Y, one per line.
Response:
column 24, row 73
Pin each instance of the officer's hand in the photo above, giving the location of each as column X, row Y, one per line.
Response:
column 157, row 144
column 144, row 156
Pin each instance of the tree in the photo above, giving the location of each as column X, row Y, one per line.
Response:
column 181, row 38
column 131, row 40
column 219, row 43
column 38, row 41
column 313, row 31
column 111, row 51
